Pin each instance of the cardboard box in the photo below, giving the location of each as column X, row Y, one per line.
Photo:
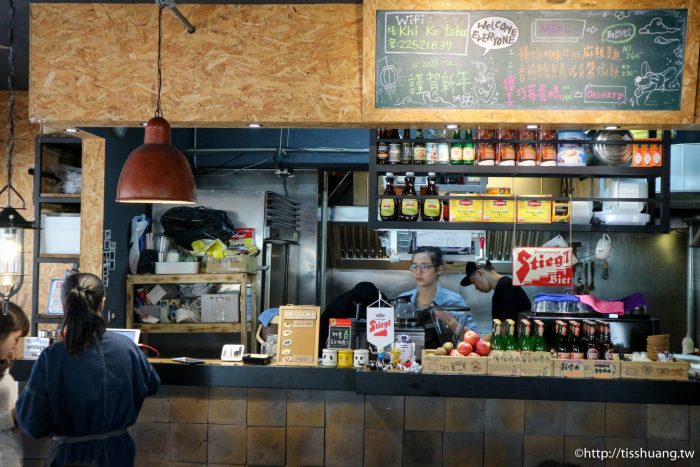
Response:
column 238, row 263
column 499, row 210
column 561, row 211
column 535, row 211
column 220, row 308
column 446, row 365
column 468, row 209
column 667, row 371
column 504, row 363
column 599, row 369
column 536, row 364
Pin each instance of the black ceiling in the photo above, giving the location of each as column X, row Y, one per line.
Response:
column 22, row 31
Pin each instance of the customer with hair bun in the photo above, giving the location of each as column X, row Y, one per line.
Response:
column 13, row 326
column 87, row 389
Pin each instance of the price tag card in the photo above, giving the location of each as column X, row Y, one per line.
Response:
column 340, row 333
column 297, row 344
column 537, row 266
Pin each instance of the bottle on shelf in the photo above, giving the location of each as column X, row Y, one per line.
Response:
column 511, row 343
column 576, row 347
column 394, row 147
column 419, row 154
column 431, row 152
column 456, row 149
column 540, row 343
column 389, row 207
column 431, row 208
column 506, row 148
column 410, row 205
column 468, row 155
column 606, row 348
column 443, row 148
column 406, row 147
column 382, row 147
column 525, row 342
column 562, row 349
column 592, row 348
column 496, row 337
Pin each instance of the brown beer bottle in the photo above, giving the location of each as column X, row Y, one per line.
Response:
column 431, row 208
column 389, row 207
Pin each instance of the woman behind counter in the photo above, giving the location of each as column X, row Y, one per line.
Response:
column 426, row 266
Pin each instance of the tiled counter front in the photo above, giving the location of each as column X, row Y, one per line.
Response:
column 227, row 426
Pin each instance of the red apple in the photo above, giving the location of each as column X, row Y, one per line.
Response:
column 471, row 337
column 455, row 353
column 465, row 348
column 473, row 354
column 483, row 347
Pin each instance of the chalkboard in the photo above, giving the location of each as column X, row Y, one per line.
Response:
column 574, row 59
column 340, row 334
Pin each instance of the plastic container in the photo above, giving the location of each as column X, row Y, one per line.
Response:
column 191, row 267
column 581, row 212
column 60, row 234
column 623, row 218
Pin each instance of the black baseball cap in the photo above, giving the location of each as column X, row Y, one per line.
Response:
column 468, row 270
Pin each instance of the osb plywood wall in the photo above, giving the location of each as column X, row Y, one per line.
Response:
column 95, row 64
column 299, row 65
column 22, row 181
column 686, row 116
column 92, row 204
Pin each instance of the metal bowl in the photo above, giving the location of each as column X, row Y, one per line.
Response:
column 611, row 154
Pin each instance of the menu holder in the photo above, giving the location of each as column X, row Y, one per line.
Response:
column 297, row 341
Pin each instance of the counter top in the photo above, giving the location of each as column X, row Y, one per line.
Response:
column 225, row 374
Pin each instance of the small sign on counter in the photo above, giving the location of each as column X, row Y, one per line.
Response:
column 297, row 341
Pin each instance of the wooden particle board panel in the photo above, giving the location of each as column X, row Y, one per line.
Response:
column 95, row 64
column 92, row 204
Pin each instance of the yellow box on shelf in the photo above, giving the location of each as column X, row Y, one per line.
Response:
column 469, row 208
column 537, row 211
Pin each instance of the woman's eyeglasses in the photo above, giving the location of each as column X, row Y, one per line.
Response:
column 422, row 267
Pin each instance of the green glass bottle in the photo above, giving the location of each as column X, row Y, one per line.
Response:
column 496, row 338
column 540, row 343
column 468, row 155
column 511, row 343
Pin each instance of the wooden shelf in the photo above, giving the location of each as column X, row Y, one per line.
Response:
column 186, row 278
column 59, row 198
column 56, row 258
column 188, row 327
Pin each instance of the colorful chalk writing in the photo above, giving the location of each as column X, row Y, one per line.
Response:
column 583, row 59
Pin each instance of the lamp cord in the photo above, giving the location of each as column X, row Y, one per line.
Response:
column 11, row 101
column 159, row 112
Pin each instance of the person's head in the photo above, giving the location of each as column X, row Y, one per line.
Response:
column 13, row 325
column 426, row 265
column 82, row 297
column 482, row 274
column 365, row 293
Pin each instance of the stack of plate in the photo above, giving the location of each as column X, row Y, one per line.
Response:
column 657, row 344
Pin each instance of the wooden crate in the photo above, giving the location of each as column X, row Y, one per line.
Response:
column 504, row 363
column 599, row 369
column 668, row 371
column 536, row 364
column 446, row 365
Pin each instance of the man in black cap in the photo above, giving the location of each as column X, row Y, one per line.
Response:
column 508, row 299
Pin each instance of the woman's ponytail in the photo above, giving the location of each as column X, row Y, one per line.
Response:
column 81, row 296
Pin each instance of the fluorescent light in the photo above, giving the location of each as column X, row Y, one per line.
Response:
column 144, row 123
column 71, row 130
column 612, row 127
column 532, row 127
column 451, row 126
column 254, row 125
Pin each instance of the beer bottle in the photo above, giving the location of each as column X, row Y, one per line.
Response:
column 562, row 351
column 394, row 147
column 592, row 350
column 540, row 343
column 468, row 157
column 443, row 148
column 382, row 147
column 431, row 207
column 388, row 207
column 511, row 344
column 576, row 348
column 406, row 148
column 410, row 206
column 496, row 339
column 456, row 150
column 419, row 148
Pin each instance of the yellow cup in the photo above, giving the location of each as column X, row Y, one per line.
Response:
column 345, row 358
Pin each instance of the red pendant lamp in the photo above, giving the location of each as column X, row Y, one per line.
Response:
column 157, row 172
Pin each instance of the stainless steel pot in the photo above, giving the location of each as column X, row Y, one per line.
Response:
column 610, row 154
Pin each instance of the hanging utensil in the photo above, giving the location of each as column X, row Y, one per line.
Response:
column 592, row 276
column 605, row 270
column 586, row 283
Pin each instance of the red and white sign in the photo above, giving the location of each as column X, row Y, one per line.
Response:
column 380, row 326
column 542, row 266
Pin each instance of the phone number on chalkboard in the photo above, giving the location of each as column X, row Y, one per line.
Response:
column 414, row 44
